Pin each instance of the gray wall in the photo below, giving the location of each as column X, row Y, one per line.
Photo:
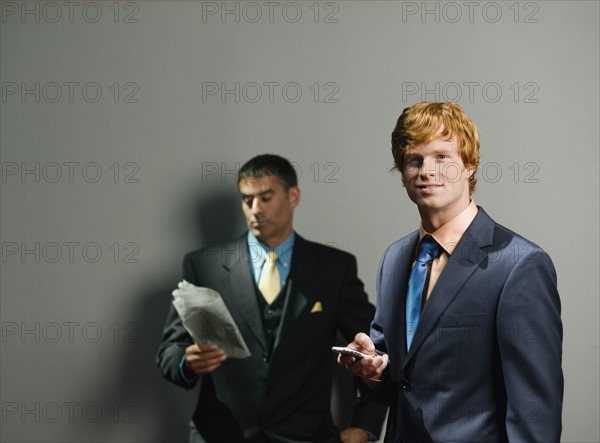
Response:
column 120, row 141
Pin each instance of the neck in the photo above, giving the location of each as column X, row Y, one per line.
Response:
column 432, row 220
column 276, row 240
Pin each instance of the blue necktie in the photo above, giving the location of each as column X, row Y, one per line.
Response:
column 428, row 250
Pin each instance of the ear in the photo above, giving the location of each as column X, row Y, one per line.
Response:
column 294, row 196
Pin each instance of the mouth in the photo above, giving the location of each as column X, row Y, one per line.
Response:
column 428, row 188
column 257, row 223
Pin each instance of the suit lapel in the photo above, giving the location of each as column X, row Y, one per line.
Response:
column 465, row 260
column 296, row 301
column 241, row 294
column 400, row 272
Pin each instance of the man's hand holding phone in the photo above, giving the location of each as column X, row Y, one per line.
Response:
column 360, row 358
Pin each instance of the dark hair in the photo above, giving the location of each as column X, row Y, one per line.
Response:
column 269, row 164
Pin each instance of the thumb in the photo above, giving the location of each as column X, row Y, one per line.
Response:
column 364, row 341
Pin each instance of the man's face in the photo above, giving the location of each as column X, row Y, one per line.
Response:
column 436, row 179
column 268, row 208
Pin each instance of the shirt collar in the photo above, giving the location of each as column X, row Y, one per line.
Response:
column 449, row 234
column 258, row 250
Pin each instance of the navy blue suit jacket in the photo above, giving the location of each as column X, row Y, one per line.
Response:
column 485, row 363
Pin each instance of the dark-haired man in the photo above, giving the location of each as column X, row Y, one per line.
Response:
column 289, row 297
column 468, row 322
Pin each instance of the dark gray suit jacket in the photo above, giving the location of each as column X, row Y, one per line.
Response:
column 485, row 363
column 284, row 397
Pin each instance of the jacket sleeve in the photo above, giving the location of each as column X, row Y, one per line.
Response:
column 355, row 315
column 355, row 312
column 529, row 331
column 383, row 393
column 175, row 339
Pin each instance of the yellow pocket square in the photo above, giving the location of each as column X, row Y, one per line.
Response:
column 318, row 307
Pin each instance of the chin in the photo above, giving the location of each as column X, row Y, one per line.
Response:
column 425, row 201
column 261, row 235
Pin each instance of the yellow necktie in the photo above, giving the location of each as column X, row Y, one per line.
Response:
column 269, row 284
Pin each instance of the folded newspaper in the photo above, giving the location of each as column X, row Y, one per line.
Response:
column 206, row 318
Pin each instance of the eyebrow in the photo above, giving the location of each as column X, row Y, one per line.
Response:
column 418, row 154
column 268, row 191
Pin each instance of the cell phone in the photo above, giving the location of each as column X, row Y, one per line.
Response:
column 348, row 351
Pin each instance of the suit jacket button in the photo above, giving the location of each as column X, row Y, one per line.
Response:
column 405, row 384
column 266, row 357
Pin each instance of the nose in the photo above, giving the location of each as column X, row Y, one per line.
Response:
column 428, row 167
column 256, row 208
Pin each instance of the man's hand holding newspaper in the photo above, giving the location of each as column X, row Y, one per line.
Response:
column 206, row 318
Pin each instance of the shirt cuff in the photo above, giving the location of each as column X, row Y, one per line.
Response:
column 186, row 379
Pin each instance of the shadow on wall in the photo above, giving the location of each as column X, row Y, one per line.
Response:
column 145, row 406
column 219, row 216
